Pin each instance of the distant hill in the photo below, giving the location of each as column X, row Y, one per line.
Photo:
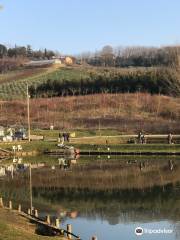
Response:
column 155, row 70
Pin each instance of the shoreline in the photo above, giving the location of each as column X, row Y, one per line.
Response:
column 35, row 148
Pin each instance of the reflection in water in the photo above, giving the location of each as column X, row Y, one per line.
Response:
column 109, row 197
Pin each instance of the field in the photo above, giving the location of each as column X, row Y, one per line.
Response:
column 82, row 80
column 13, row 84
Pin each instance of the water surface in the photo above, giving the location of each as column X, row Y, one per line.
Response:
column 105, row 197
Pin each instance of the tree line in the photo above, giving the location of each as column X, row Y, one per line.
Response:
column 11, row 58
column 153, row 80
column 133, row 56
column 25, row 51
column 106, row 57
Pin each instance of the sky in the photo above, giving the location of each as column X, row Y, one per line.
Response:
column 75, row 26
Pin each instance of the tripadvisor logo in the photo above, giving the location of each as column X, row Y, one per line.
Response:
column 139, row 231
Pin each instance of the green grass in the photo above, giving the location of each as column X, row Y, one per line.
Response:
column 10, row 233
column 131, row 147
column 78, row 132
column 14, row 227
column 40, row 146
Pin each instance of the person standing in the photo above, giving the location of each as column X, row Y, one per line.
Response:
column 170, row 138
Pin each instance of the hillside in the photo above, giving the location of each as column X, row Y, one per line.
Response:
column 13, row 83
column 83, row 80
column 128, row 113
column 92, row 98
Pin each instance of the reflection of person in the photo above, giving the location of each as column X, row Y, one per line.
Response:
column 171, row 164
column 142, row 165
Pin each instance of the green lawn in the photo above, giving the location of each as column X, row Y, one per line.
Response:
column 40, row 146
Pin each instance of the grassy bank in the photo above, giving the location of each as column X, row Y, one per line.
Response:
column 130, row 148
column 14, row 227
column 40, row 146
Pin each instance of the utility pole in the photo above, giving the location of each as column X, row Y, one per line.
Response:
column 28, row 115
column 99, row 127
column 30, row 187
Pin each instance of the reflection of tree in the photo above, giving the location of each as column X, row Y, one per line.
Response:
column 113, row 205
column 127, row 206
column 109, row 176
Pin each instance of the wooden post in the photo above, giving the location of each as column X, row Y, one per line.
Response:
column 69, row 230
column 28, row 115
column 57, row 222
column 62, row 231
column 19, row 208
column 1, row 202
column 36, row 213
column 94, row 238
column 30, row 187
column 48, row 220
column 10, row 204
column 29, row 211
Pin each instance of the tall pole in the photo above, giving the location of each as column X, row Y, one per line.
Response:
column 99, row 127
column 28, row 115
column 30, row 187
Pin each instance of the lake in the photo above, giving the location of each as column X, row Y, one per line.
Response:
column 101, row 196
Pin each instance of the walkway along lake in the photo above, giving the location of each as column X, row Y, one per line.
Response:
column 102, row 196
